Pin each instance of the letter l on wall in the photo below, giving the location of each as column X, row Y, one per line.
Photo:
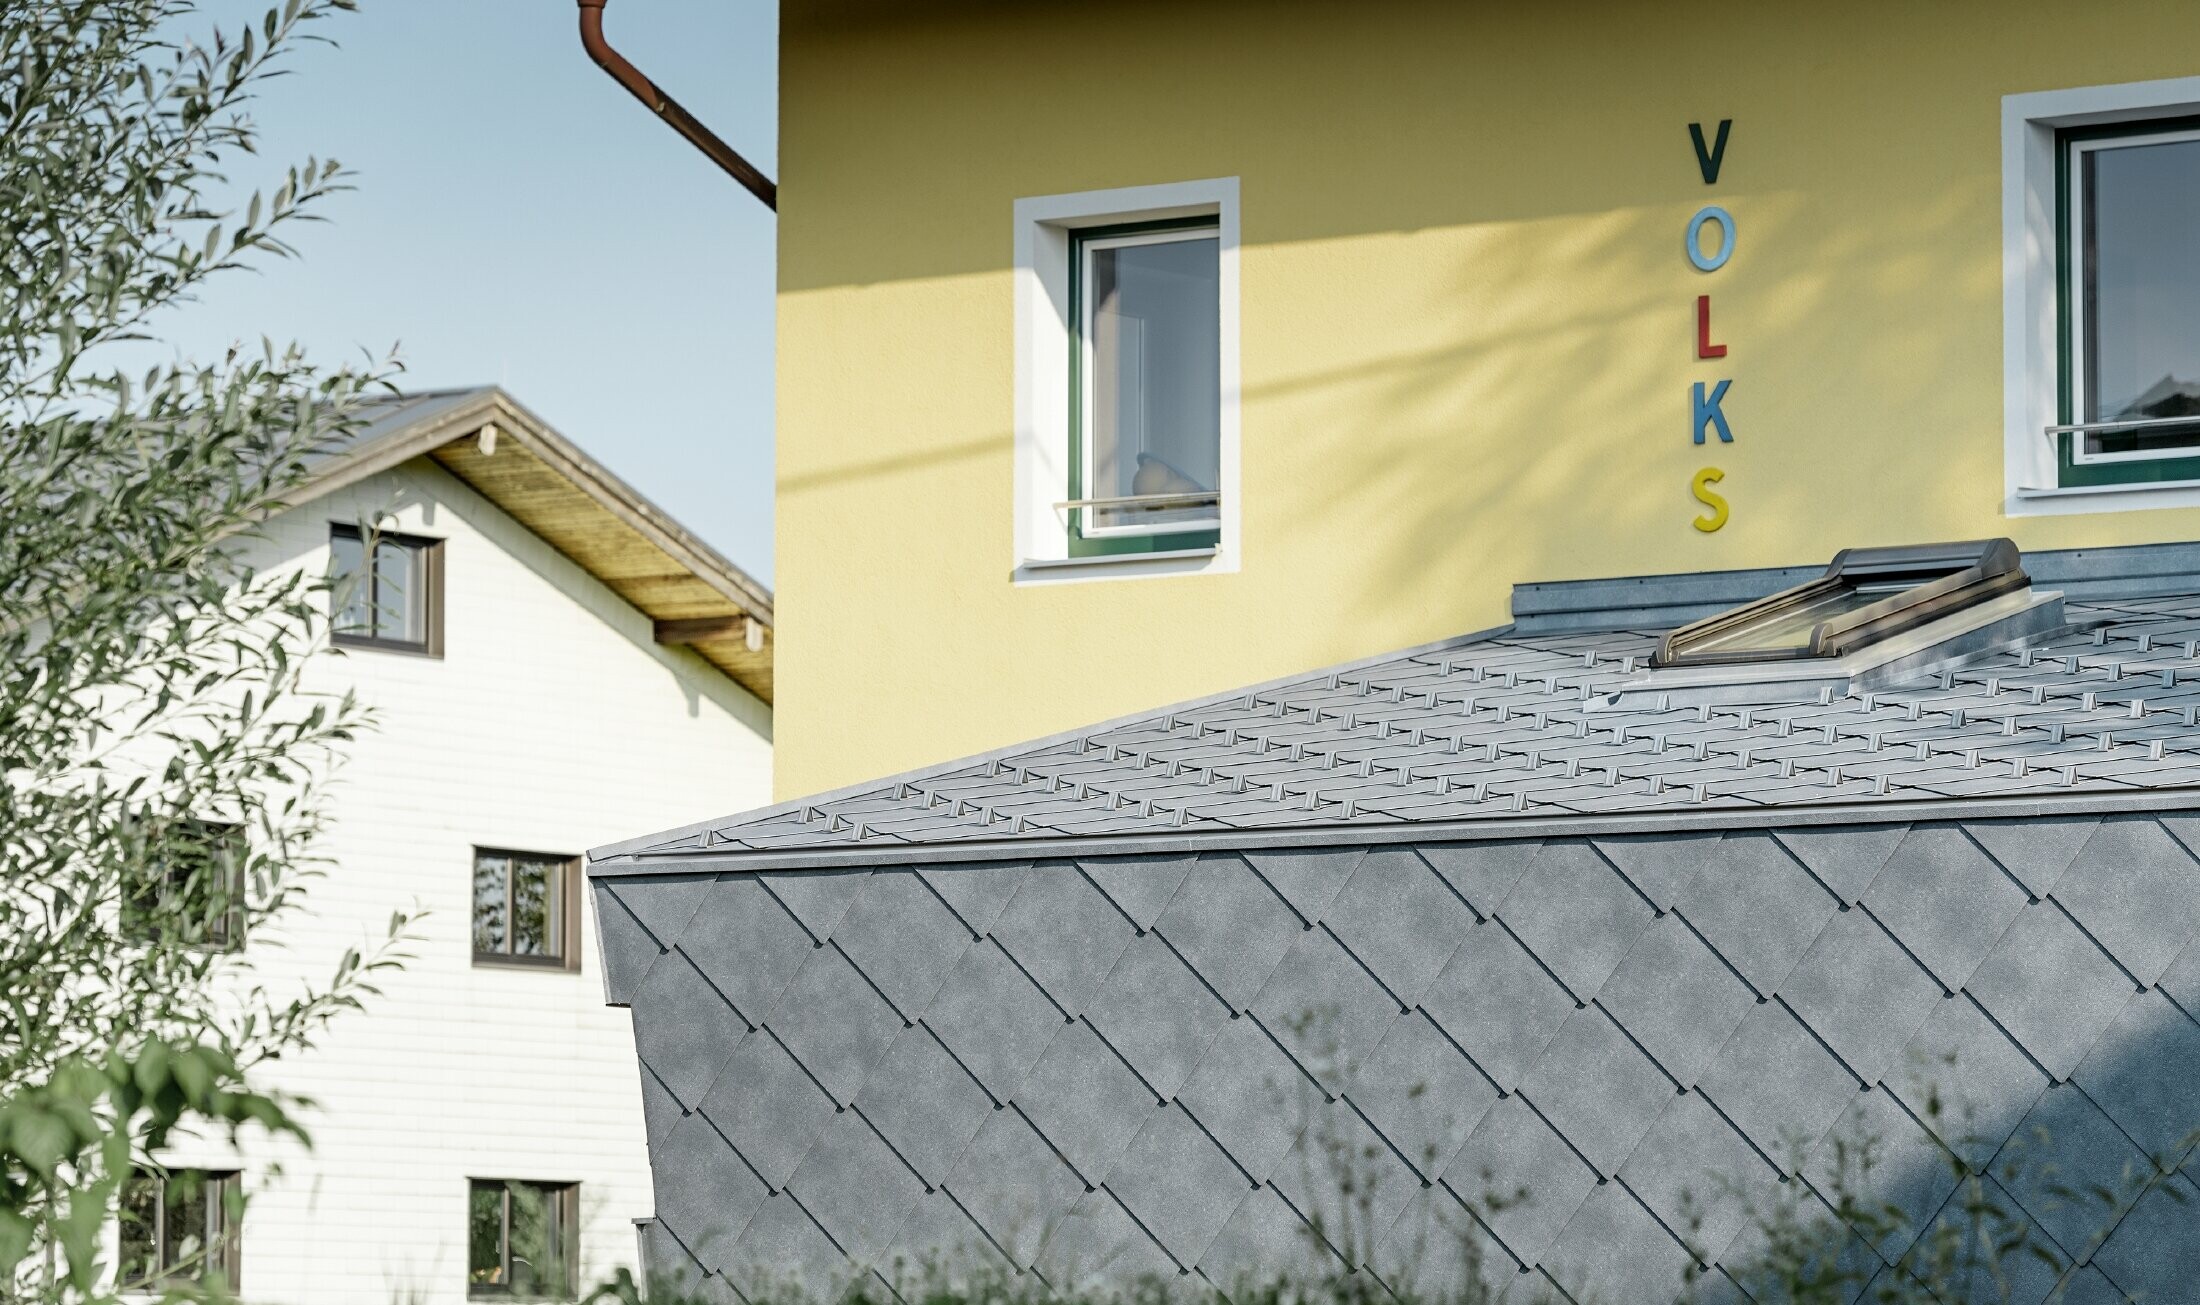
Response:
column 1704, row 347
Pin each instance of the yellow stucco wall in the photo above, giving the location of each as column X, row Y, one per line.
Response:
column 1468, row 323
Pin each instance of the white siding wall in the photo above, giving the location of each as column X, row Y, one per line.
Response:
column 551, row 723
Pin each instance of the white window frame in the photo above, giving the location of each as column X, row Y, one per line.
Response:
column 2031, row 254
column 1043, row 242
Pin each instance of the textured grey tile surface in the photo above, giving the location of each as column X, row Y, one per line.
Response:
column 1157, row 1063
column 1502, row 725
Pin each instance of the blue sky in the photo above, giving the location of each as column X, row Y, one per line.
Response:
column 519, row 219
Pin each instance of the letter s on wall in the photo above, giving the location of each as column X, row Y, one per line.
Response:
column 1700, row 485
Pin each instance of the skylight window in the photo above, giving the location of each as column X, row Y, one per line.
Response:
column 1866, row 596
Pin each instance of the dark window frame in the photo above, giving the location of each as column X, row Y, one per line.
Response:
column 1193, row 538
column 568, row 932
column 564, row 1202
column 223, row 1236
column 430, row 552
column 228, row 931
column 2069, row 286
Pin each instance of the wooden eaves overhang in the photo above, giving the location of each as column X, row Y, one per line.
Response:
column 694, row 596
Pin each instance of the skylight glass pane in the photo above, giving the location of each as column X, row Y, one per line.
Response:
column 1865, row 597
column 1793, row 628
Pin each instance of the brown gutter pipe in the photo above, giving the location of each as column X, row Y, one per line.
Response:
column 664, row 106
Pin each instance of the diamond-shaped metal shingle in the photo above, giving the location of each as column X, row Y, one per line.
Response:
column 907, row 1087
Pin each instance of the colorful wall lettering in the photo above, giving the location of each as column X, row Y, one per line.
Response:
column 1706, row 405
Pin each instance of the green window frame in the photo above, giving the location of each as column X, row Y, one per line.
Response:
column 2070, row 470
column 1080, row 543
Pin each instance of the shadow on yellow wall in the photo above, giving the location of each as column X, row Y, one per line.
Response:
column 1468, row 331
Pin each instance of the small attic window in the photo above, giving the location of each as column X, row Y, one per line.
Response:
column 1867, row 595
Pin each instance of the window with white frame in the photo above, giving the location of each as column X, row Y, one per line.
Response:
column 2101, row 200
column 1127, row 422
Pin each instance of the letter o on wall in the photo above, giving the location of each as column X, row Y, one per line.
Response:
column 1710, row 213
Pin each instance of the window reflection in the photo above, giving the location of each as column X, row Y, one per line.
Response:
column 2141, row 293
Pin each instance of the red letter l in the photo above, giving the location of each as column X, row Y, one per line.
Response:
column 1704, row 347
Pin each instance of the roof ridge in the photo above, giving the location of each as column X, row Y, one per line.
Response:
column 1500, row 730
column 944, row 768
column 428, row 424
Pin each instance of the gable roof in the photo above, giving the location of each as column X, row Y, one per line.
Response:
column 575, row 504
column 1494, row 729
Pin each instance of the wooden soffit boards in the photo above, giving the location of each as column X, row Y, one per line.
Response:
column 524, row 479
column 550, row 486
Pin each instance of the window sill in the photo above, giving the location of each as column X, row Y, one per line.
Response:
column 361, row 642
column 1186, row 561
column 539, row 964
column 2135, row 496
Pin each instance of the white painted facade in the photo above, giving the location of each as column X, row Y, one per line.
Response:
column 552, row 723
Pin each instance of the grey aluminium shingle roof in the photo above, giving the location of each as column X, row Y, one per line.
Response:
column 1011, row 1008
column 1498, row 726
column 1116, row 1066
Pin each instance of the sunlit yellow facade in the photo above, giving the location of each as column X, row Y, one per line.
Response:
column 1469, row 331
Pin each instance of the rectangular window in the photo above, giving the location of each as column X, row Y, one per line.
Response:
column 180, row 1225
column 521, row 1238
column 195, row 891
column 1127, row 388
column 524, row 908
column 1145, row 464
column 394, row 603
column 2128, row 204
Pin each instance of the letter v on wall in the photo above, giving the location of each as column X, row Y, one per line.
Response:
column 1710, row 160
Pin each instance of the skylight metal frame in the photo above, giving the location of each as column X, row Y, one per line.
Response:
column 1952, row 577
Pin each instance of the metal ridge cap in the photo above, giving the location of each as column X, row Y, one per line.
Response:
column 843, row 856
column 638, row 846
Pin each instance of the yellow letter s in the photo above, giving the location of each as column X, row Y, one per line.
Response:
column 1700, row 487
